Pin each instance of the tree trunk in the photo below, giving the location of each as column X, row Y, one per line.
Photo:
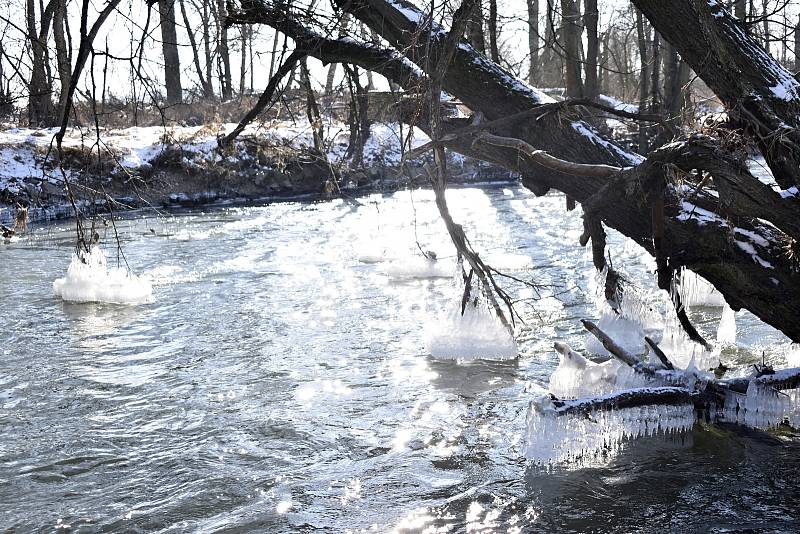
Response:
column 205, row 85
column 40, row 104
column 243, row 63
column 641, row 40
column 590, row 21
column 312, row 110
column 571, row 35
column 533, row 41
column 797, row 46
column 169, row 47
column 62, row 54
column 493, row 46
column 343, row 23
column 475, row 29
column 741, row 9
column 224, row 53
column 209, row 60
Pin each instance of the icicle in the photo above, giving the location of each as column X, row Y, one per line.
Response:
column 762, row 406
column 726, row 333
column 588, row 438
column 696, row 291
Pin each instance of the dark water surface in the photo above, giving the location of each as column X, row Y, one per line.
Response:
column 279, row 384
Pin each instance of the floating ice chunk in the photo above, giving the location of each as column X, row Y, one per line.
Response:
column 697, row 291
column 89, row 279
column 587, row 438
column 477, row 334
column 726, row 332
column 418, row 267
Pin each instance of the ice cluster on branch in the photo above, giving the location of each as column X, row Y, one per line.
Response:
column 583, row 438
column 476, row 333
column 90, row 279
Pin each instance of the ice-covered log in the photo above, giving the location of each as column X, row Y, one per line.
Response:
column 781, row 379
column 631, row 398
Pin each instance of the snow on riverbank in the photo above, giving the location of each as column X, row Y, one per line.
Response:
column 28, row 162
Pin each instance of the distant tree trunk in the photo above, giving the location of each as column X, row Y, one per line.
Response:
column 741, row 9
column 641, row 39
column 571, row 36
column 224, row 53
column 765, row 22
column 370, row 37
column 590, row 21
column 274, row 55
column 672, row 85
column 243, row 64
column 655, row 75
column 602, row 71
column 312, row 110
column 40, row 104
column 797, row 46
column 169, row 47
column 533, row 41
column 209, row 60
column 493, row 46
column 475, row 29
column 205, row 85
column 343, row 23
column 63, row 60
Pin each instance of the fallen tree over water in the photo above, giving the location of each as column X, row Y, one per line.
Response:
column 691, row 203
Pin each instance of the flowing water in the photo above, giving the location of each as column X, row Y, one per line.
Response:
column 280, row 382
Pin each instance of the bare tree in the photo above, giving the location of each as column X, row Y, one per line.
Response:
column 493, row 36
column 169, row 47
column 591, row 18
column 533, row 41
column 40, row 102
column 571, row 35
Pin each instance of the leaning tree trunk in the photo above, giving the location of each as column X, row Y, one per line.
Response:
column 736, row 236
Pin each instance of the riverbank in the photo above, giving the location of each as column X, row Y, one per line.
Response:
column 123, row 169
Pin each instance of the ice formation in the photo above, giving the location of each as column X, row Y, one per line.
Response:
column 477, row 334
column 576, row 376
column 90, row 279
column 636, row 316
column 696, row 291
column 761, row 407
column 418, row 267
column 585, row 437
column 726, row 332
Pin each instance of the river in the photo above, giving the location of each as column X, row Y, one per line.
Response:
column 280, row 383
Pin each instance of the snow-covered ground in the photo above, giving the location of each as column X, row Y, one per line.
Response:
column 28, row 157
